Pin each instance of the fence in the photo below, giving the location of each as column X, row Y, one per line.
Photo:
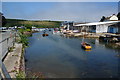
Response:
column 7, row 40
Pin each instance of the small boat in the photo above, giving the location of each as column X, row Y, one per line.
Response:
column 56, row 32
column 44, row 35
column 86, row 46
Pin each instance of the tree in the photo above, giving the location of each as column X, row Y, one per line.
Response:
column 3, row 21
column 102, row 19
column 118, row 15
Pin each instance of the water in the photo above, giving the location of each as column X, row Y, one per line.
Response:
column 56, row 56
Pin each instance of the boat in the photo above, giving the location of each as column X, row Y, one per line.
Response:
column 44, row 35
column 56, row 32
column 86, row 46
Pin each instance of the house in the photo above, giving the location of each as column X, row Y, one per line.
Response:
column 115, row 28
column 67, row 25
column 111, row 18
column 2, row 20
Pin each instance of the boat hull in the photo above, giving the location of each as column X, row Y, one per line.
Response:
column 44, row 35
column 86, row 46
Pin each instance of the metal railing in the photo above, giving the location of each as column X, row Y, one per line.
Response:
column 7, row 40
column 4, row 72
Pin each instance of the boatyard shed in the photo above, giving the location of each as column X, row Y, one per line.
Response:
column 98, row 27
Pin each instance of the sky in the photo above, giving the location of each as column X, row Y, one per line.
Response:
column 0, row 6
column 60, row 0
column 65, row 11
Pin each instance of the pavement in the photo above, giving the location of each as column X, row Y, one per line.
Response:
column 12, row 60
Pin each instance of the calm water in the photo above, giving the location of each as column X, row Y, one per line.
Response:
column 56, row 56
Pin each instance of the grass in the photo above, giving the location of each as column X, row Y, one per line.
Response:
column 27, row 23
column 20, row 75
column 11, row 49
column 23, row 40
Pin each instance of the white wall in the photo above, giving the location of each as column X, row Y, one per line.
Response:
column 101, row 28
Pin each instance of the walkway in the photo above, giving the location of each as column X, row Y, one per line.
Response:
column 12, row 60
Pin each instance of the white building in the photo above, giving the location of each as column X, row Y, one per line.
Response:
column 97, row 27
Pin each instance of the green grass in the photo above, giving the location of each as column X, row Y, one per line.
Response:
column 20, row 75
column 28, row 23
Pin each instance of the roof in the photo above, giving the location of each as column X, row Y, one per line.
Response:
column 97, row 23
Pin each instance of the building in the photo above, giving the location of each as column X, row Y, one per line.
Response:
column 111, row 18
column 67, row 25
column 115, row 28
column 97, row 27
column 109, row 25
column 2, row 20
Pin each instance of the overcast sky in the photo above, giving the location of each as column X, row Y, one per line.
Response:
column 70, row 11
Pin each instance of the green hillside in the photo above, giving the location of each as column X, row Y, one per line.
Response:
column 28, row 23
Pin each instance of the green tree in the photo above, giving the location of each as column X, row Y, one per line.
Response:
column 102, row 19
column 118, row 15
column 3, row 21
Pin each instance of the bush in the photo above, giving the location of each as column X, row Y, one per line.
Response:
column 23, row 40
column 28, row 30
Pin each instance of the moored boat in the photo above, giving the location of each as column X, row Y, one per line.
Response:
column 86, row 45
column 44, row 35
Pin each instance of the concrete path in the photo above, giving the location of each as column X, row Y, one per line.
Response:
column 12, row 60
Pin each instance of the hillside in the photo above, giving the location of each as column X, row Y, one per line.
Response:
column 28, row 23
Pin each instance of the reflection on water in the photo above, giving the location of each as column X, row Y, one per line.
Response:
column 62, row 57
